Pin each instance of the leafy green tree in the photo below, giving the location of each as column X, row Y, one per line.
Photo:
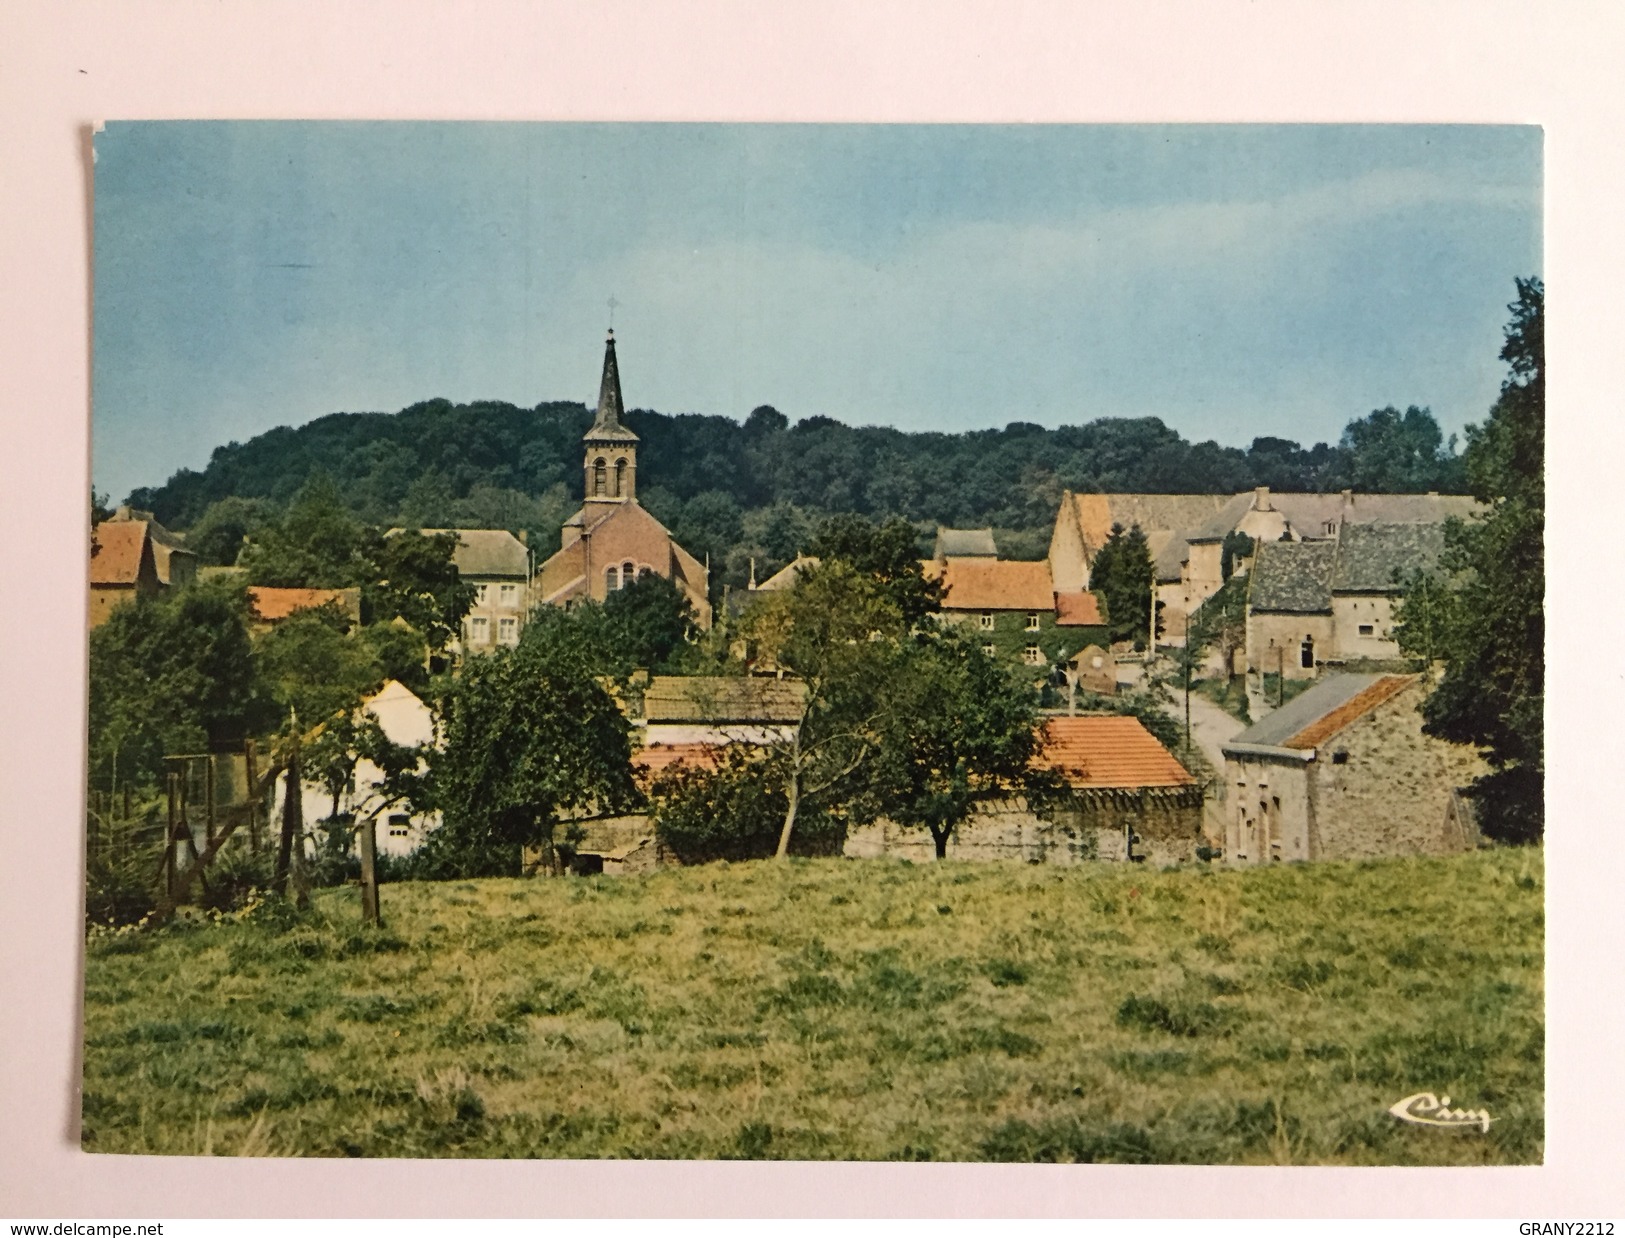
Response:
column 838, row 632
column 1123, row 573
column 1405, row 453
column 531, row 739
column 649, row 621
column 1236, row 547
column 887, row 553
column 411, row 576
column 317, row 544
column 735, row 811
column 219, row 535
column 958, row 728
column 1484, row 614
column 171, row 674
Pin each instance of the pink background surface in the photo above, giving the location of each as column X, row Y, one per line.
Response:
column 64, row 65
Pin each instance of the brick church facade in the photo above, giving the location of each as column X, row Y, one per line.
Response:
column 613, row 540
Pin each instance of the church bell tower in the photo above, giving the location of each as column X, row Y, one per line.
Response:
column 611, row 450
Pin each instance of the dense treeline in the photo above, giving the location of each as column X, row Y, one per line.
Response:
column 735, row 491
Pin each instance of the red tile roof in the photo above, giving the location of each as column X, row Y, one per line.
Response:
column 1078, row 610
column 271, row 604
column 657, row 757
column 1109, row 752
column 1327, row 725
column 996, row 584
column 118, row 548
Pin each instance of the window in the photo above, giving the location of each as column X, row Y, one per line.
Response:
column 629, row 573
column 644, row 571
column 479, row 630
column 990, row 650
column 508, row 595
column 612, row 578
column 481, row 593
column 1307, row 653
column 620, row 478
column 1032, row 621
column 508, row 631
column 985, row 621
column 600, row 478
column 1340, row 758
column 1367, row 629
column 399, row 825
column 1032, row 655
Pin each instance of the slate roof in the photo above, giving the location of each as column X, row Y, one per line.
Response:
column 995, row 584
column 1373, row 558
column 1309, row 720
column 1078, row 610
column 722, row 699
column 1109, row 753
column 965, row 543
column 487, row 552
column 607, row 425
column 1295, row 577
column 1168, row 560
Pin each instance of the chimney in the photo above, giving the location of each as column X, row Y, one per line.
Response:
column 1261, row 499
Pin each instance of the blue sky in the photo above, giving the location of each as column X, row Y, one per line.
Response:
column 1232, row 280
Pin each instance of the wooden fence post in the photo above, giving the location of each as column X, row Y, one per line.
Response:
column 169, row 841
column 249, row 767
column 292, row 823
column 368, row 841
column 208, row 796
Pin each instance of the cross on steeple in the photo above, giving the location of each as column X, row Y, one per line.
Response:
column 612, row 303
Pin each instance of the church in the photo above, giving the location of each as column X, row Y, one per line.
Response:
column 612, row 540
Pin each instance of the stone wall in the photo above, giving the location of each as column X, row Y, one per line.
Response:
column 1269, row 633
column 1095, row 827
column 1381, row 787
column 1268, row 811
column 1351, row 612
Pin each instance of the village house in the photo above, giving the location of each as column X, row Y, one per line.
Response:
column 716, row 710
column 1311, row 604
column 497, row 565
column 131, row 556
column 1013, row 609
column 1128, row 799
column 613, row 540
column 1344, row 772
column 405, row 720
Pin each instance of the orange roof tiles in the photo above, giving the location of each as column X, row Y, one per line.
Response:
column 271, row 604
column 658, row 757
column 996, row 584
column 1327, row 725
column 1109, row 752
column 1078, row 610
column 118, row 549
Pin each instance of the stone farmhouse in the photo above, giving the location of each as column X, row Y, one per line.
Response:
column 1186, row 533
column 1343, row 772
column 1012, row 605
column 613, row 540
column 131, row 556
column 1130, row 800
column 1317, row 603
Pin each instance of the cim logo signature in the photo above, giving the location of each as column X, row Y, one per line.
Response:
column 1426, row 1109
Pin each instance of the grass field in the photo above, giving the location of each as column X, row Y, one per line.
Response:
column 843, row 1009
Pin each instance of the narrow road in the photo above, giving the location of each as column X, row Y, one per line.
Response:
column 1211, row 727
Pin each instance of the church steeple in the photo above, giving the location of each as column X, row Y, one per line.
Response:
column 611, row 449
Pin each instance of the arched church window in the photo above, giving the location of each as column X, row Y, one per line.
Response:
column 629, row 573
column 612, row 578
column 600, row 477
column 620, row 478
column 644, row 570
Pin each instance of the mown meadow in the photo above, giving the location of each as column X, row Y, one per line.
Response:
column 842, row 1009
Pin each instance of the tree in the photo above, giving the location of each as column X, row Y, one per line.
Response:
column 1483, row 614
column 531, row 738
column 959, row 729
column 1235, row 547
column 837, row 631
column 219, row 535
column 1390, row 451
column 886, row 553
column 1123, row 572
column 171, row 674
column 649, row 622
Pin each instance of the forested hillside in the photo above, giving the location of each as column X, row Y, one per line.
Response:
column 736, row 491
